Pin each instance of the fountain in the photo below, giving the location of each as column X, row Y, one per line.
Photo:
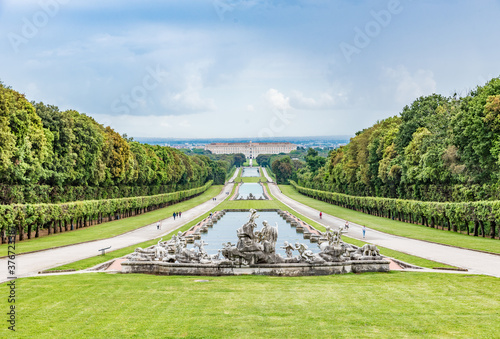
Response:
column 255, row 253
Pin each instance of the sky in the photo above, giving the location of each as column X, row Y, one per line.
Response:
column 245, row 68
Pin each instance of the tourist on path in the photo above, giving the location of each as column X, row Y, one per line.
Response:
column 180, row 214
column 173, row 215
column 158, row 225
column 321, row 215
column 364, row 231
column 346, row 226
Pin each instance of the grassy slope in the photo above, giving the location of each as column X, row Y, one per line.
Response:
column 370, row 305
column 397, row 227
column 109, row 229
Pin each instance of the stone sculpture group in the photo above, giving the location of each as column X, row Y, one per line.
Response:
column 257, row 247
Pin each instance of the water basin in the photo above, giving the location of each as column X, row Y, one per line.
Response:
column 225, row 231
column 250, row 172
column 255, row 188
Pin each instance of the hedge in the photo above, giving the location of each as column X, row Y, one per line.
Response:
column 77, row 214
column 482, row 216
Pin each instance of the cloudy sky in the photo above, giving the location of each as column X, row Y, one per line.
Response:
column 245, row 68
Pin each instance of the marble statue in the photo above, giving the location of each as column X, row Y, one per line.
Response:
column 289, row 248
column 256, row 247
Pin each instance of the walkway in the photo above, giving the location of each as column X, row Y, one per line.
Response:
column 31, row 263
column 474, row 262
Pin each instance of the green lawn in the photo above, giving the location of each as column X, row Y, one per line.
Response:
column 250, row 179
column 370, row 305
column 397, row 227
column 247, row 163
column 109, row 229
column 231, row 173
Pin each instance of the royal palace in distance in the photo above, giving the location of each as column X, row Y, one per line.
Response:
column 250, row 149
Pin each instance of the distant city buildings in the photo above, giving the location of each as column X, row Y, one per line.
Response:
column 250, row 149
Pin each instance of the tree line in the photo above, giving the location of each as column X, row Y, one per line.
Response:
column 48, row 155
column 479, row 218
column 438, row 149
column 56, row 218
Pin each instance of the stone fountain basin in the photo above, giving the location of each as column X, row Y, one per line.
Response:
column 285, row 270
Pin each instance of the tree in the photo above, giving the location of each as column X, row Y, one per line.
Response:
column 314, row 161
column 283, row 169
column 239, row 159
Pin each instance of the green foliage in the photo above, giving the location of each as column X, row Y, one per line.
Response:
column 48, row 155
column 79, row 213
column 239, row 159
column 439, row 149
column 455, row 216
column 283, row 169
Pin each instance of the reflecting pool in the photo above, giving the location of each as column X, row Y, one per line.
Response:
column 250, row 172
column 225, row 231
column 254, row 188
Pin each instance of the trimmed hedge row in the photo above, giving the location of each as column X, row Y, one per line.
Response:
column 77, row 214
column 46, row 194
column 476, row 218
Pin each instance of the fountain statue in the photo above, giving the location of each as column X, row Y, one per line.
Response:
column 256, row 247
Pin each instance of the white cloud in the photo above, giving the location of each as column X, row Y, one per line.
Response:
column 189, row 99
column 324, row 101
column 277, row 100
column 409, row 86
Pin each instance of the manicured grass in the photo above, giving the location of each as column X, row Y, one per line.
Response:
column 270, row 173
column 397, row 227
column 109, row 229
column 250, row 179
column 370, row 305
column 247, row 163
column 99, row 259
column 231, row 173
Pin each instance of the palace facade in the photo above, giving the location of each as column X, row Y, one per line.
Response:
column 250, row 149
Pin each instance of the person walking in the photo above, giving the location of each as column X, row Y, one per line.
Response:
column 173, row 215
column 346, row 226
column 321, row 215
column 364, row 231
column 180, row 214
column 158, row 225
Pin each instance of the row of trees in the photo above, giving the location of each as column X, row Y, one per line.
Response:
column 474, row 218
column 438, row 149
column 48, row 155
column 73, row 215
